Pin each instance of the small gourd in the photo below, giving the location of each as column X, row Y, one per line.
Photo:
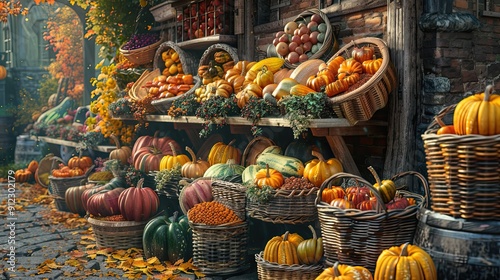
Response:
column 319, row 169
column 121, row 153
column 386, row 188
column 171, row 161
column 345, row 272
column 281, row 250
column 269, row 177
column 194, row 168
column 310, row 251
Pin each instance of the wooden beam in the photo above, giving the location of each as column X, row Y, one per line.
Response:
column 402, row 18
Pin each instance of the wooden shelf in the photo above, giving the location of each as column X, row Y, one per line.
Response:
column 102, row 148
column 204, row 42
column 276, row 122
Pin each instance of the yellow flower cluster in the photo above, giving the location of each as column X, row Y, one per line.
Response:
column 105, row 93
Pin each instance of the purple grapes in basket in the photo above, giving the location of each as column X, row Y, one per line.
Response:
column 141, row 40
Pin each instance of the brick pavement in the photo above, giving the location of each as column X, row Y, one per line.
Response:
column 38, row 241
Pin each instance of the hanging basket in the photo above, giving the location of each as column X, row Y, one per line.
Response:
column 142, row 55
column 359, row 104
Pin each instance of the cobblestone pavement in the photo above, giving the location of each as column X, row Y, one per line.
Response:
column 33, row 247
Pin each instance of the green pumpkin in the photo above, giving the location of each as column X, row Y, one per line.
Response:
column 300, row 149
column 223, row 171
column 168, row 238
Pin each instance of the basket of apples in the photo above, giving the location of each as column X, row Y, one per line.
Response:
column 309, row 36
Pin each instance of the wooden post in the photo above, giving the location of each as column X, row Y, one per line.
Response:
column 402, row 19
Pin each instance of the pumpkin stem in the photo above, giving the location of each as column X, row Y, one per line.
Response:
column 268, row 175
column 336, row 271
column 174, row 152
column 140, row 183
column 191, row 153
column 285, row 236
column 231, row 161
column 487, row 92
column 115, row 139
column 175, row 216
column 313, row 232
column 318, row 155
column 404, row 250
column 375, row 175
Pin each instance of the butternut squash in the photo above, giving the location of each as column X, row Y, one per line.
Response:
column 305, row 70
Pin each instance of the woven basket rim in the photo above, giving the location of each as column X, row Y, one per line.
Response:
column 382, row 211
column 213, row 48
column 249, row 146
column 139, row 50
column 327, row 44
column 226, row 226
column 259, row 259
column 114, row 224
column 187, row 67
column 384, row 51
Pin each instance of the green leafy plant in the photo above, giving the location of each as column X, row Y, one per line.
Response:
column 300, row 110
column 256, row 109
column 259, row 195
column 185, row 105
column 167, row 176
column 215, row 111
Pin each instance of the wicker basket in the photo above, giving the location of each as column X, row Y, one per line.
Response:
column 117, row 234
column 232, row 195
column 356, row 237
column 220, row 250
column 361, row 103
column 46, row 165
column 189, row 60
column 142, row 55
column 273, row 271
column 210, row 51
column 283, row 205
column 59, row 185
column 463, row 172
column 327, row 49
column 164, row 104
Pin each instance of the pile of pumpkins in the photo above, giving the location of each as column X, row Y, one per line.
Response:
column 406, row 261
column 268, row 79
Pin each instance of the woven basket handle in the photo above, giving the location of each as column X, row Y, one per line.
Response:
column 438, row 118
column 334, row 178
column 422, row 179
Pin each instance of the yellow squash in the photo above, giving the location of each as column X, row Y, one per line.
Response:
column 171, row 161
column 319, row 169
column 310, row 251
column 345, row 272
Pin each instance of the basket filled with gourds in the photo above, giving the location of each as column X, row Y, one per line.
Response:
column 357, row 217
column 290, row 256
column 178, row 75
column 462, row 145
column 359, row 79
column 281, row 184
column 63, row 176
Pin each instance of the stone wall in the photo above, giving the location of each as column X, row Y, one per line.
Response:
column 460, row 55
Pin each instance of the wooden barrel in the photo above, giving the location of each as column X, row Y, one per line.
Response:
column 7, row 139
column 461, row 249
column 26, row 150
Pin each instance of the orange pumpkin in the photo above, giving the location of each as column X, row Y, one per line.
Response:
column 371, row 66
column 349, row 67
column 329, row 194
column 194, row 168
column 335, row 63
column 269, row 177
column 33, row 166
column 22, row 175
column 3, row 72
column 83, row 162
column 121, row 153
column 336, row 87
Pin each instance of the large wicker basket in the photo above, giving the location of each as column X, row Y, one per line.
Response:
column 273, row 271
column 327, row 48
column 356, row 237
column 59, row 185
column 117, row 234
column 220, row 250
column 45, row 166
column 463, row 172
column 286, row 207
column 188, row 59
column 232, row 195
column 361, row 103
column 142, row 55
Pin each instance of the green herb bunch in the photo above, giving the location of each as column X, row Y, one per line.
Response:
column 300, row 110
column 215, row 111
column 255, row 109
